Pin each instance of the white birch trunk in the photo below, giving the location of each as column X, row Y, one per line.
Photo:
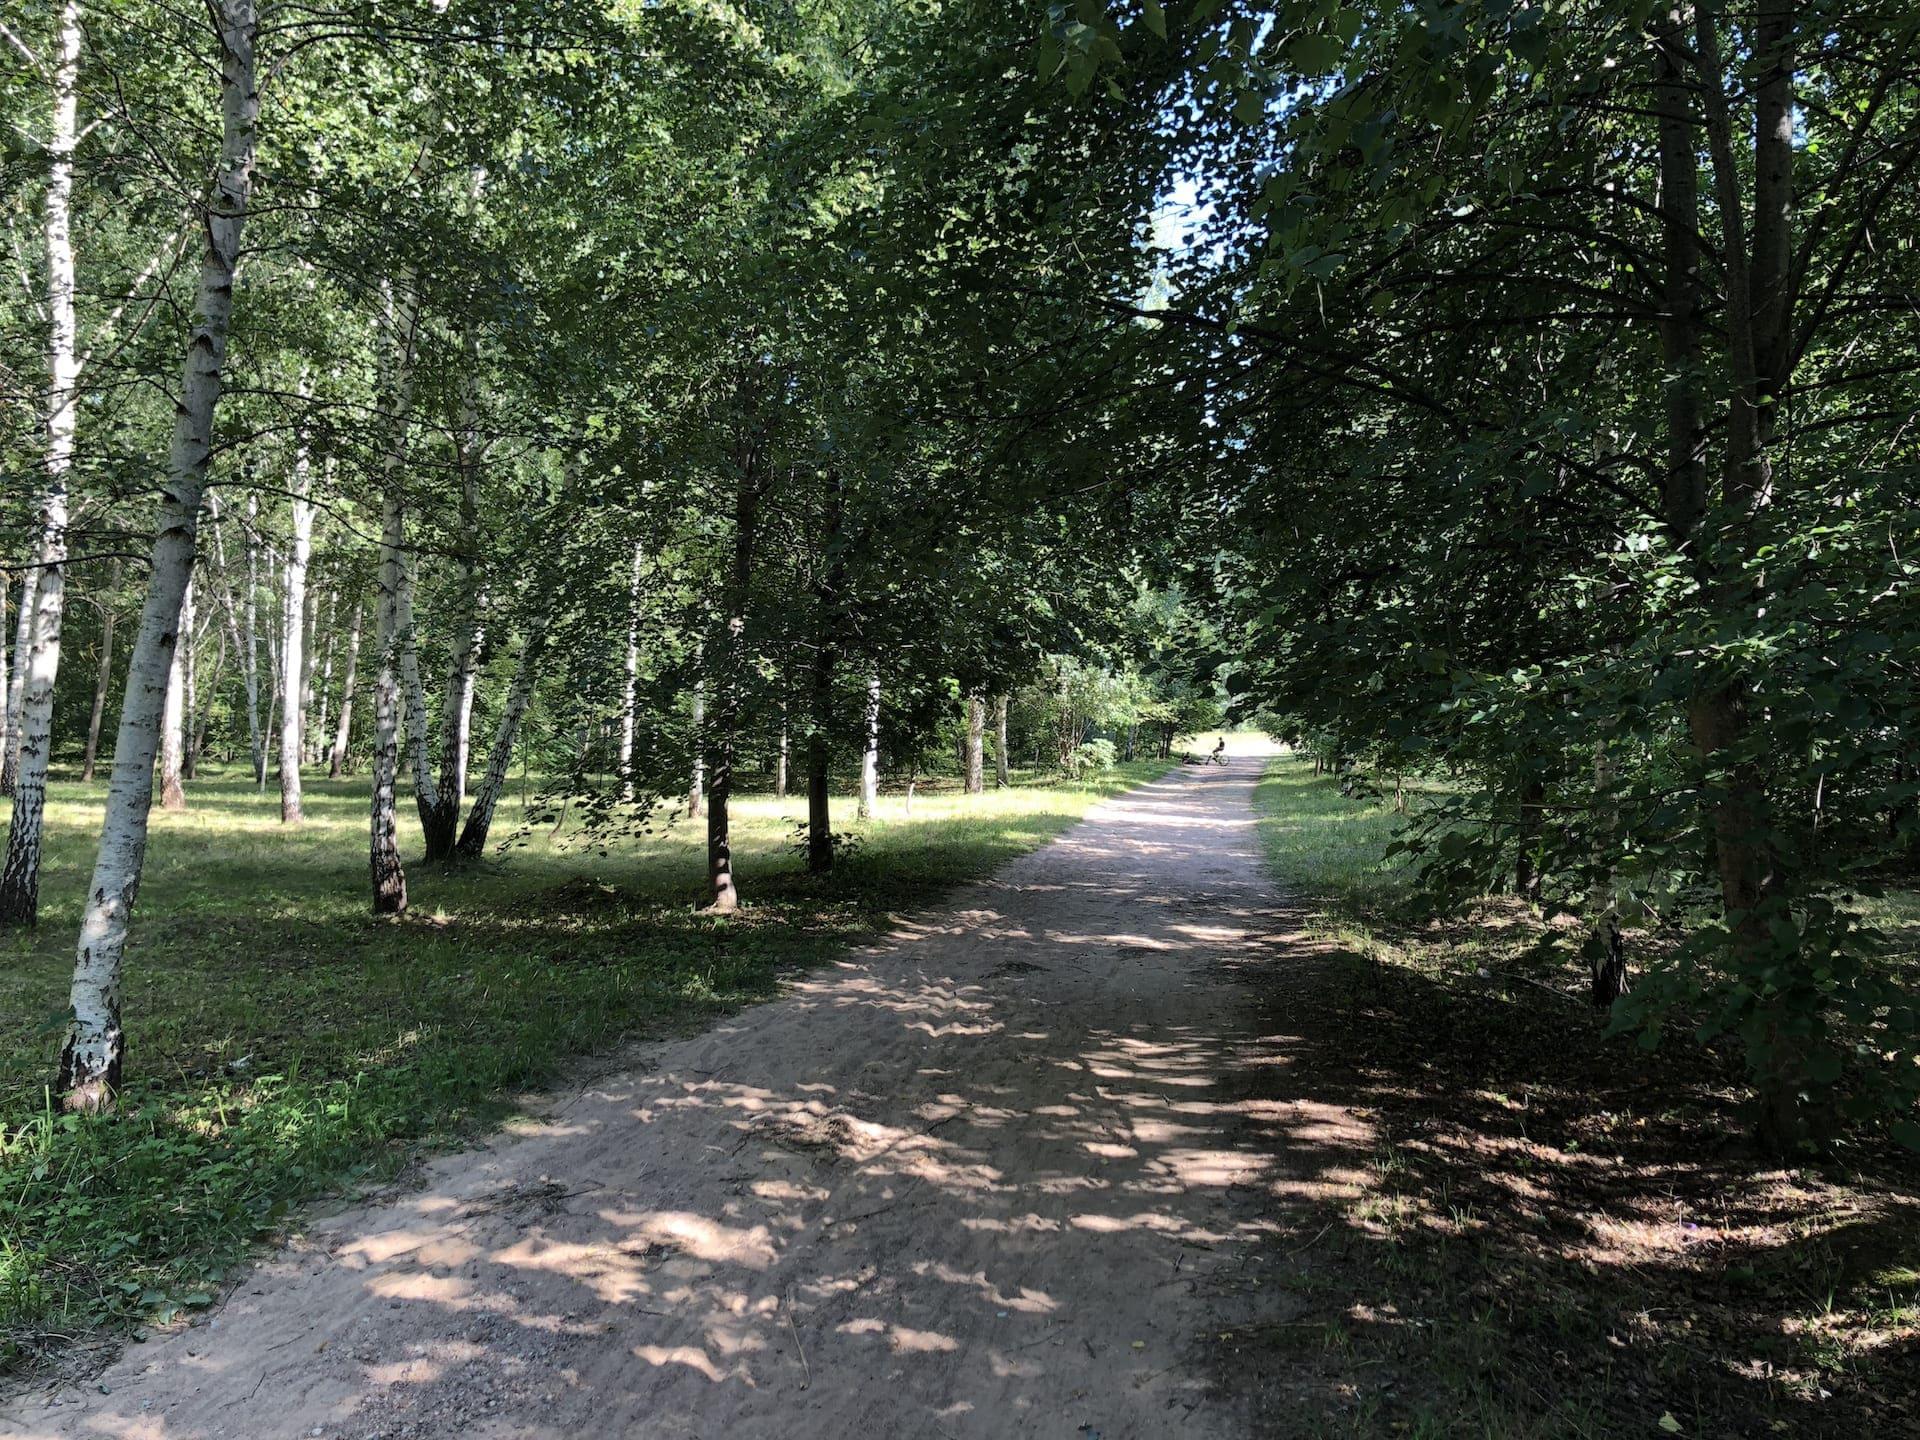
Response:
column 870, row 752
column 486, row 798
column 30, row 738
column 394, row 614
column 413, row 694
column 16, row 686
column 6, row 730
column 173, row 710
column 1000, row 776
column 630, row 692
column 187, row 652
column 975, row 747
column 343, row 727
column 440, row 809
column 103, row 677
column 250, row 643
column 292, row 647
column 697, row 791
column 90, row 1060
column 323, row 687
column 783, row 758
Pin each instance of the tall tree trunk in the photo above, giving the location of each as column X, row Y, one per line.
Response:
column 1758, row 316
column 440, row 818
column 250, row 643
column 293, row 644
column 20, row 875
column 1607, row 957
column 413, row 697
column 173, row 711
column 323, row 686
column 630, row 676
column 870, row 751
column 819, row 801
column 1000, row 776
column 731, row 674
column 976, row 745
column 203, row 716
column 473, row 837
column 697, row 791
column 343, row 728
column 401, row 318
column 103, row 677
column 828, row 611
column 17, row 684
column 6, row 730
column 1527, row 823
column 187, row 655
column 782, row 757
column 92, row 1056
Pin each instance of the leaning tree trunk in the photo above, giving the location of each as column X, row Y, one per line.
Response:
column 20, row 875
column 870, row 752
column 392, row 617
column 103, row 677
column 17, row 684
column 1000, row 776
column 293, row 642
column 976, row 745
column 173, row 711
column 94, row 1050
column 343, row 728
column 473, row 837
column 731, row 674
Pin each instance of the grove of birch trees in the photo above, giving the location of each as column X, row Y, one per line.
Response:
column 1516, row 395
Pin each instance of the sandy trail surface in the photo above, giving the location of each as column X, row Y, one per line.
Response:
column 999, row 1175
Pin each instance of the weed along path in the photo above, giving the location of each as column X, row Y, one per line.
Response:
column 1001, row 1175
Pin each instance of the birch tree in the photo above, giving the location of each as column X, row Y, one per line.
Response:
column 870, row 752
column 343, row 727
column 30, row 733
column 94, row 1049
column 393, row 605
column 293, row 620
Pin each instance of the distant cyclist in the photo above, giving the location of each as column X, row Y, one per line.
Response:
column 1219, row 756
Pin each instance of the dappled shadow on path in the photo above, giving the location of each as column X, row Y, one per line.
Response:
column 987, row 1179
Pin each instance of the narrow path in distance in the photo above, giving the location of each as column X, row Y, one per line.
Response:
column 986, row 1179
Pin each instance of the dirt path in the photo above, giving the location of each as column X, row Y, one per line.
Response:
column 992, row 1178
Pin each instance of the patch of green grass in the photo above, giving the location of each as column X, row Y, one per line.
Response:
column 1324, row 845
column 284, row 1043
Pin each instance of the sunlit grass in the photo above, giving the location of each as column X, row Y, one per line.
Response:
column 284, row 1042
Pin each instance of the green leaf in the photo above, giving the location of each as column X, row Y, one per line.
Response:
column 1315, row 54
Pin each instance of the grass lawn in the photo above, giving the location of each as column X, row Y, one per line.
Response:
column 284, row 1044
column 1562, row 1234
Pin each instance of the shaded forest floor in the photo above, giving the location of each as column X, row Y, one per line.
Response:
column 285, row 1044
column 1564, row 1235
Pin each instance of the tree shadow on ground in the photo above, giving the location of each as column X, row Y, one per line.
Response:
column 1567, row 1236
